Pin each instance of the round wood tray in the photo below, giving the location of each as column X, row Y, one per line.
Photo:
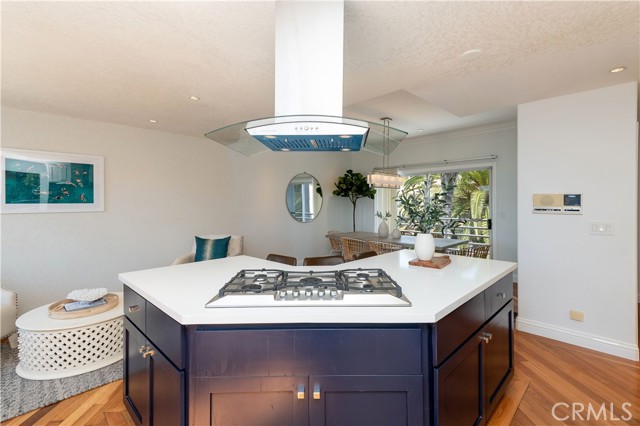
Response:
column 56, row 310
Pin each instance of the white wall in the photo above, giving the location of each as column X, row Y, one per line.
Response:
column 161, row 190
column 260, row 183
column 497, row 140
column 581, row 143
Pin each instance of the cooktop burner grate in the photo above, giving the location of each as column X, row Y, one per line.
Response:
column 274, row 287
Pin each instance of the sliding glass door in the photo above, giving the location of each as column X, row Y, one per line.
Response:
column 468, row 199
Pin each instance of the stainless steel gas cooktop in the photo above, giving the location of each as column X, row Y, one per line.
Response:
column 272, row 287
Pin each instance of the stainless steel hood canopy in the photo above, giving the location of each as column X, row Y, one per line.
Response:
column 308, row 99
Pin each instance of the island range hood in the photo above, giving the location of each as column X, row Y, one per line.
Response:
column 308, row 90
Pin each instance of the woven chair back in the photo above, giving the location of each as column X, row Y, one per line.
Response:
column 480, row 251
column 381, row 247
column 351, row 246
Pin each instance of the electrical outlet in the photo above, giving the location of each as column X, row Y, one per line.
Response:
column 576, row 315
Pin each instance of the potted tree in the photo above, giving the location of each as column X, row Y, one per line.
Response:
column 353, row 186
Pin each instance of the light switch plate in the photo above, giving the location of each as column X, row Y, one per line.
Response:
column 601, row 228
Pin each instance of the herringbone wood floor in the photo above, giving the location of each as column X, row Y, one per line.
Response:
column 547, row 372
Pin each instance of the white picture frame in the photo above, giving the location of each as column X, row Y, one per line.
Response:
column 50, row 182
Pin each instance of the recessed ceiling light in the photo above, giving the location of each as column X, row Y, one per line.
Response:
column 421, row 130
column 471, row 54
column 617, row 69
column 153, row 121
column 194, row 98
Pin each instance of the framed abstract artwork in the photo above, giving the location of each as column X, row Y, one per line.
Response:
column 46, row 182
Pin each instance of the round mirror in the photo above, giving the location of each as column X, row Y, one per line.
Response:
column 304, row 197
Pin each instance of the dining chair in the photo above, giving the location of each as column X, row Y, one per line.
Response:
column 364, row 255
column 351, row 246
column 382, row 247
column 472, row 250
column 336, row 244
column 323, row 260
column 281, row 258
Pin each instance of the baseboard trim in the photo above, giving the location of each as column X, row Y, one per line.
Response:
column 585, row 340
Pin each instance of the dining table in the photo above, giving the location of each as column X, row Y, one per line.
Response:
column 406, row 241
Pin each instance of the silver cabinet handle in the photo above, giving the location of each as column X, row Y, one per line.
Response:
column 134, row 308
column 316, row 391
column 502, row 295
column 486, row 337
column 142, row 348
column 149, row 352
column 300, row 391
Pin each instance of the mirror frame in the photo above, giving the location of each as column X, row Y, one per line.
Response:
column 290, row 187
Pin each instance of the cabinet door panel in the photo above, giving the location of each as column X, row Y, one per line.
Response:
column 250, row 401
column 366, row 400
column 167, row 386
column 136, row 374
column 498, row 356
column 458, row 387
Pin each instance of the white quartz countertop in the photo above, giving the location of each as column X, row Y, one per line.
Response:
column 181, row 291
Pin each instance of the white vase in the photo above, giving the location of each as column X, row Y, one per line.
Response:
column 383, row 230
column 425, row 246
column 395, row 234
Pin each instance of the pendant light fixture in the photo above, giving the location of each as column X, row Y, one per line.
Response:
column 380, row 177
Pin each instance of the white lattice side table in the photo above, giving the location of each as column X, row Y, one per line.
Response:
column 54, row 348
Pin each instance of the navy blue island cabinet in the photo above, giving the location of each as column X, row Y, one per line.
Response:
column 452, row 372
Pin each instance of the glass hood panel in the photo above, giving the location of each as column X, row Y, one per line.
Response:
column 307, row 127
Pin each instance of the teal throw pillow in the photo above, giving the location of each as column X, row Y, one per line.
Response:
column 211, row 249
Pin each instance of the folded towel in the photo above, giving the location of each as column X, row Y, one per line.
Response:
column 87, row 294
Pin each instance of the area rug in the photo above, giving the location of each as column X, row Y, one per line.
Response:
column 19, row 396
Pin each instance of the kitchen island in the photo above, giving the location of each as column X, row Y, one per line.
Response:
column 444, row 359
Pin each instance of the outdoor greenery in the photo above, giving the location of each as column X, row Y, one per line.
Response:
column 353, row 186
column 444, row 202
column 471, row 200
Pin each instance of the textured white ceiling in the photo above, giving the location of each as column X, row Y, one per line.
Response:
column 129, row 62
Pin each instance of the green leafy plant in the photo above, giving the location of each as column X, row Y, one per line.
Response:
column 416, row 210
column 386, row 216
column 451, row 224
column 353, row 186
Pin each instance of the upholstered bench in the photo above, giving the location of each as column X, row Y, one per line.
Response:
column 8, row 314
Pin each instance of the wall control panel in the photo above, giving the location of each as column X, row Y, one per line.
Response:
column 557, row 203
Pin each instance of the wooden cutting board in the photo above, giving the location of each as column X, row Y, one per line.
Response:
column 57, row 311
column 437, row 262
